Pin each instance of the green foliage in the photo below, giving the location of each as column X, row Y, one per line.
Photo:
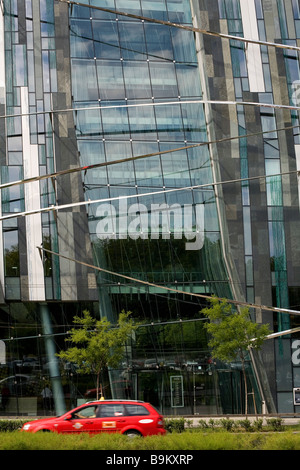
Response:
column 245, row 424
column 221, row 440
column 9, row 425
column 175, row 425
column 97, row 343
column 227, row 424
column 232, row 332
column 232, row 425
column 211, row 436
column 212, row 423
column 275, row 424
column 258, row 424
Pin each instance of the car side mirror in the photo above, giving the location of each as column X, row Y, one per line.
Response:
column 69, row 416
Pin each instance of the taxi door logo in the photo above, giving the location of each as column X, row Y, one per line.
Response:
column 109, row 424
column 77, row 425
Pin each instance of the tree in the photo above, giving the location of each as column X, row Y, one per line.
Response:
column 97, row 344
column 232, row 333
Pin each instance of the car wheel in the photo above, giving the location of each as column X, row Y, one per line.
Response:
column 132, row 433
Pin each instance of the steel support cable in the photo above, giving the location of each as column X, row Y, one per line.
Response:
column 139, row 157
column 143, row 325
column 100, row 107
column 211, row 33
column 170, row 289
column 274, row 106
column 182, row 26
column 154, row 193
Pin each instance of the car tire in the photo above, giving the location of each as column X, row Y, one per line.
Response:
column 132, row 433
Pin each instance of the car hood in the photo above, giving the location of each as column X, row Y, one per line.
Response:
column 37, row 422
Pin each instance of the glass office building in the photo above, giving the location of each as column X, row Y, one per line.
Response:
column 142, row 138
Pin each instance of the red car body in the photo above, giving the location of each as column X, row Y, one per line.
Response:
column 129, row 417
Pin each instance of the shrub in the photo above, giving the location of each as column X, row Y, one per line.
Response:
column 275, row 423
column 227, row 423
column 246, row 424
column 175, row 425
column 212, row 423
column 7, row 425
column 258, row 424
column 202, row 424
column 188, row 423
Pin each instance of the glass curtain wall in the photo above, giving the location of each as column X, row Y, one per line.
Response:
column 136, row 91
column 274, row 158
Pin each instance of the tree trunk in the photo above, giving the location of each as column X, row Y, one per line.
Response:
column 246, row 390
column 99, row 386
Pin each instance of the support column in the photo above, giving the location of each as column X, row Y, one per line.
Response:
column 56, row 385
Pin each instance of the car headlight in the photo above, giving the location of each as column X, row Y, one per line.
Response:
column 26, row 427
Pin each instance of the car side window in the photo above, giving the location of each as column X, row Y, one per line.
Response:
column 136, row 410
column 87, row 412
column 110, row 411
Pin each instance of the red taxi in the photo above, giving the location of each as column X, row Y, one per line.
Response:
column 128, row 417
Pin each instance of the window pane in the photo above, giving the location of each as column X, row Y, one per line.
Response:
column 188, row 80
column 115, row 121
column 121, row 172
column 163, row 80
column 92, row 152
column 159, row 42
column 110, row 79
column 84, row 72
column 184, row 45
column 19, row 61
column 273, row 183
column 169, row 122
column 179, row 11
column 88, row 121
column 12, row 198
column 155, row 9
column 277, row 245
column 142, row 123
column 137, row 80
column 81, row 39
column 238, row 59
column 109, row 4
column 11, row 253
column 130, row 6
column 194, row 122
column 132, row 40
column 106, row 39
column 175, row 167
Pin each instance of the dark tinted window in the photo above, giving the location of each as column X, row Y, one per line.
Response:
column 109, row 411
column 136, row 410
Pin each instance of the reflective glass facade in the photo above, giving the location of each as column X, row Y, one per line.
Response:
column 152, row 108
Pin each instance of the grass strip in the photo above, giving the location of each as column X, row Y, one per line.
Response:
column 287, row 440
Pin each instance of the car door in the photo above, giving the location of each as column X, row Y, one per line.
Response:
column 110, row 417
column 83, row 420
column 138, row 417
